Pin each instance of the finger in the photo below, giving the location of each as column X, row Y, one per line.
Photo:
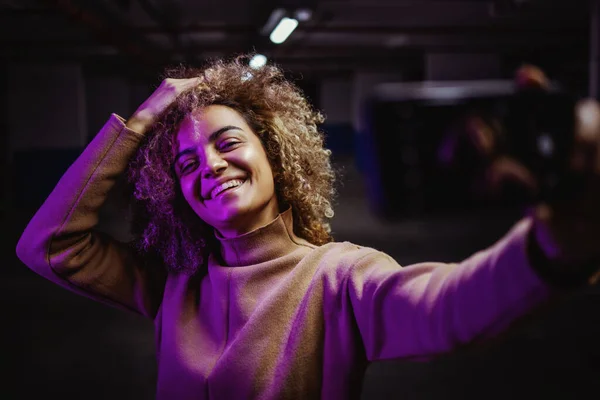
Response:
column 190, row 83
column 587, row 137
column 587, row 120
column 194, row 81
column 506, row 169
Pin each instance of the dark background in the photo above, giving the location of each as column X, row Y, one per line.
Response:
column 66, row 64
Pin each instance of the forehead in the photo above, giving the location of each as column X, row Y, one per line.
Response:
column 197, row 126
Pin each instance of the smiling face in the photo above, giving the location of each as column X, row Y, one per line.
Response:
column 224, row 172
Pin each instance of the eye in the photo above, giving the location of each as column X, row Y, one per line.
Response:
column 187, row 166
column 228, row 143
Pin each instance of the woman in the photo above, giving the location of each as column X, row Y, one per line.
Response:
column 234, row 262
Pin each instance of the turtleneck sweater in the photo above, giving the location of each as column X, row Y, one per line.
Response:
column 272, row 316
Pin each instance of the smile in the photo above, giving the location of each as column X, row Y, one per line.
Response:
column 225, row 187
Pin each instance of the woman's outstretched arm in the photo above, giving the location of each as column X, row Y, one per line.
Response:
column 430, row 308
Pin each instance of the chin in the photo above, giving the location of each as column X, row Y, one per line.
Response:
column 232, row 214
column 227, row 215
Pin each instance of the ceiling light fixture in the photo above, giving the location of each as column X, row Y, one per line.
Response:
column 257, row 61
column 283, row 30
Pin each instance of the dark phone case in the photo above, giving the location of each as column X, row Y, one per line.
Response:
column 539, row 127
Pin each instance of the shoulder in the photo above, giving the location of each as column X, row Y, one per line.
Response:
column 341, row 265
column 343, row 256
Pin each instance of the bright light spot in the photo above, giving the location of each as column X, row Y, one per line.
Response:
column 545, row 145
column 247, row 75
column 284, row 29
column 258, row 61
column 303, row 14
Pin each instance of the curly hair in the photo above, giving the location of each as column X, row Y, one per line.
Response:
column 164, row 225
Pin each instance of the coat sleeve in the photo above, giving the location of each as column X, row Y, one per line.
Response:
column 61, row 243
column 430, row 308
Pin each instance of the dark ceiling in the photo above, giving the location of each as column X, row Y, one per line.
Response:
column 340, row 36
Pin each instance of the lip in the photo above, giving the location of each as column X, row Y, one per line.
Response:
column 227, row 191
column 220, row 182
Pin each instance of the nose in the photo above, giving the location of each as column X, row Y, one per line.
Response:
column 215, row 164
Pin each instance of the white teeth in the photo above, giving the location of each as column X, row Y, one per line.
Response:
column 224, row 186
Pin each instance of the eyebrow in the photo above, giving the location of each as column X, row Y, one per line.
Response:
column 211, row 138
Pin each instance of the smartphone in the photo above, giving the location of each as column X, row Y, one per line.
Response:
column 539, row 129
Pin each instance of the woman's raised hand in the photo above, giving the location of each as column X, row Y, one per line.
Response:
column 148, row 112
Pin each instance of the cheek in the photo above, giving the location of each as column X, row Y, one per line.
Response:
column 262, row 159
column 187, row 189
column 266, row 174
column 268, row 184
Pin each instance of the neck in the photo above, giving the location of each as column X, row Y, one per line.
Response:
column 249, row 222
column 268, row 242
